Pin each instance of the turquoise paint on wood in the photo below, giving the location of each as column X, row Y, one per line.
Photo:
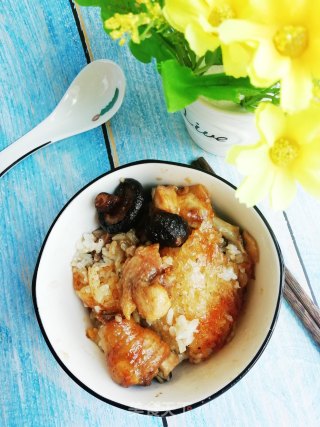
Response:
column 41, row 54
column 153, row 133
column 280, row 390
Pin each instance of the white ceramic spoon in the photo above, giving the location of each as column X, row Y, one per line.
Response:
column 93, row 97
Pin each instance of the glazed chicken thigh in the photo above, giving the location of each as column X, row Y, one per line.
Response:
column 154, row 305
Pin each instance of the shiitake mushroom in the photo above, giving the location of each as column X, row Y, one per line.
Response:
column 128, row 207
column 167, row 229
column 118, row 212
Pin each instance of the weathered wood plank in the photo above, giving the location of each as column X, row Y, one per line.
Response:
column 280, row 390
column 303, row 216
column 41, row 55
column 156, row 134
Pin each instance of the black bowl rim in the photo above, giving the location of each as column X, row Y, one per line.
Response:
column 200, row 402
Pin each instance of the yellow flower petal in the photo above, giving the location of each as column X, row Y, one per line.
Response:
column 296, row 88
column 310, row 181
column 281, row 11
column 249, row 159
column 289, row 151
column 312, row 56
column 240, row 7
column 304, row 126
column 254, row 188
column 273, row 28
column 236, row 57
column 268, row 66
column 205, row 24
column 200, row 41
column 180, row 13
column 270, row 122
column 313, row 18
column 309, row 158
column 239, row 30
column 282, row 191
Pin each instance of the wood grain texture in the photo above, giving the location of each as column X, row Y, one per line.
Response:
column 280, row 390
column 308, row 304
column 293, row 292
column 40, row 56
column 303, row 216
column 303, row 313
column 153, row 133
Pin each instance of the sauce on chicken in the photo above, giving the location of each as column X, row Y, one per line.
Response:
column 152, row 305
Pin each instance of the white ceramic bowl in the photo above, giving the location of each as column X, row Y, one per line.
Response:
column 63, row 319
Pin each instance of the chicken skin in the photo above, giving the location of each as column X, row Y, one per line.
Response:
column 153, row 306
column 207, row 279
column 138, row 292
column 134, row 354
column 98, row 287
column 192, row 203
column 203, row 284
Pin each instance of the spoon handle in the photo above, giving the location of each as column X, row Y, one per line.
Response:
column 27, row 144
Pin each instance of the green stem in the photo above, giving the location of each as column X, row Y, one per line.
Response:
column 202, row 70
column 269, row 93
column 168, row 44
column 145, row 32
column 198, row 63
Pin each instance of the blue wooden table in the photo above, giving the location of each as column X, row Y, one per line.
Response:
column 44, row 45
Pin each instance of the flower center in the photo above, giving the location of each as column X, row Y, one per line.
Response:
column 291, row 40
column 220, row 13
column 284, row 152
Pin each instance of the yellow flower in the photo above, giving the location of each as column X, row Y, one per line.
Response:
column 122, row 24
column 316, row 90
column 288, row 152
column 199, row 19
column 285, row 35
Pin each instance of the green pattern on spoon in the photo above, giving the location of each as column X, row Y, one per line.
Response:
column 108, row 106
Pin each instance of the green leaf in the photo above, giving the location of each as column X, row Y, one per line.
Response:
column 213, row 58
column 152, row 47
column 182, row 87
column 110, row 7
column 90, row 2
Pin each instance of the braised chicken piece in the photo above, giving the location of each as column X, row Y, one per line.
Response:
column 138, row 290
column 98, row 287
column 168, row 365
column 205, row 294
column 152, row 305
column 192, row 202
column 134, row 354
column 97, row 283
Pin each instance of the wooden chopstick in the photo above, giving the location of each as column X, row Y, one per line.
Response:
column 298, row 305
column 302, row 305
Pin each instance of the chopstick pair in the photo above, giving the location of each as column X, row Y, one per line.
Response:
column 302, row 305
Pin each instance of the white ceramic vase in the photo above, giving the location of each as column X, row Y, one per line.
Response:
column 216, row 126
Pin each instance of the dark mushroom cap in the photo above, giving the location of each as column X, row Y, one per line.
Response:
column 118, row 212
column 167, row 229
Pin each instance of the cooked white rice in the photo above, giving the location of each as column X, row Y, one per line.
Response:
column 227, row 274
column 122, row 246
column 183, row 330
